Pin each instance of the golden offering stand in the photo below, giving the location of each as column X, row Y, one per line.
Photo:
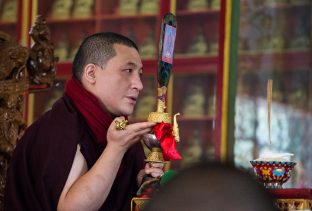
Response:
column 138, row 203
column 150, row 140
column 165, row 132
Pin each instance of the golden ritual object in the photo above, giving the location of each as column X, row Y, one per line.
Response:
column 293, row 198
column 61, row 9
column 160, row 116
column 155, row 155
column 165, row 64
column 9, row 10
column 294, row 204
column 139, row 202
column 83, row 8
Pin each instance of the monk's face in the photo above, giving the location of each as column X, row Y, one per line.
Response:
column 118, row 84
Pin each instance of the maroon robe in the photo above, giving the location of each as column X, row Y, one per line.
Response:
column 43, row 158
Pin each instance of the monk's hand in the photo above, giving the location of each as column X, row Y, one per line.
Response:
column 154, row 169
column 122, row 135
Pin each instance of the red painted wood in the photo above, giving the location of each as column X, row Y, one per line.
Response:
column 220, row 81
column 292, row 193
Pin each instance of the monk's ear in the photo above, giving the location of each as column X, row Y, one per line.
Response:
column 89, row 73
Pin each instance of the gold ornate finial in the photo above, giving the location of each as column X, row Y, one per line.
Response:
column 176, row 128
column 159, row 117
column 162, row 91
column 155, row 156
column 161, row 105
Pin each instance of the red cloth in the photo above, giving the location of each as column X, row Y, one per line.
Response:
column 163, row 132
column 91, row 109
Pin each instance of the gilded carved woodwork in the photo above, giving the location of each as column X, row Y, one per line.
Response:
column 41, row 61
column 21, row 70
column 13, row 83
column 294, row 204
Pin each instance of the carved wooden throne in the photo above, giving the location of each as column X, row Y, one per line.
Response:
column 21, row 70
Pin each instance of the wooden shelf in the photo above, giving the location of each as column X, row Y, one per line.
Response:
column 186, row 64
column 7, row 23
column 181, row 64
column 204, row 12
column 181, row 119
column 127, row 17
column 69, row 21
column 186, row 119
column 65, row 68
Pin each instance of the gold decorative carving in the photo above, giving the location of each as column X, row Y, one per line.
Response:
column 176, row 131
column 139, row 202
column 41, row 62
column 15, row 62
column 13, row 83
column 155, row 156
column 159, row 117
column 294, row 204
column 12, row 60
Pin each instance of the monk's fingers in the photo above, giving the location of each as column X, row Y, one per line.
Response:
column 138, row 134
column 128, row 134
column 141, row 126
column 154, row 172
column 156, row 165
